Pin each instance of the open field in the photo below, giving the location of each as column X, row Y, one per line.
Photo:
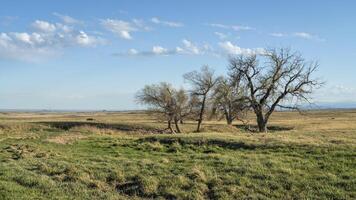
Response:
column 128, row 156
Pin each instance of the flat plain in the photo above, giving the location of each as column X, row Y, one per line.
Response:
column 128, row 155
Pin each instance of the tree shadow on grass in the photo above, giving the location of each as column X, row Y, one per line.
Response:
column 67, row 125
column 233, row 145
column 254, row 128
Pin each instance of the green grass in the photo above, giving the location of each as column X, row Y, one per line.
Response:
column 42, row 161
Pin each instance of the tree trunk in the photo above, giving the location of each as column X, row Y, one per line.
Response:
column 198, row 127
column 201, row 114
column 261, row 122
column 176, row 122
column 170, row 126
column 228, row 117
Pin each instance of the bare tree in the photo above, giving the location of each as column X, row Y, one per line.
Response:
column 284, row 80
column 185, row 105
column 202, row 83
column 229, row 100
column 166, row 101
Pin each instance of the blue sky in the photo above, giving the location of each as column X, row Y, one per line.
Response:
column 97, row 54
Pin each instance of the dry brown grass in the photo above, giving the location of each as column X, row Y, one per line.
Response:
column 324, row 127
column 66, row 138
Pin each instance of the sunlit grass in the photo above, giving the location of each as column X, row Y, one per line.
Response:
column 125, row 156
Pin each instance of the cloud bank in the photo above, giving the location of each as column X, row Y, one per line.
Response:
column 45, row 40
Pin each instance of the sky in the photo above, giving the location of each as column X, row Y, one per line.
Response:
column 94, row 55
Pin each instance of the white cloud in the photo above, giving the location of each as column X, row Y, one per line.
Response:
column 23, row 46
column 231, row 49
column 155, row 51
column 44, row 26
column 140, row 24
column 190, row 47
column 84, row 39
column 220, row 26
column 47, row 40
column 68, row 19
column 119, row 27
column 187, row 48
column 166, row 23
column 63, row 28
column 22, row 37
column 37, row 38
column 303, row 35
column 221, row 36
column 242, row 28
column 159, row 50
column 133, row 52
column 179, row 50
column 231, row 27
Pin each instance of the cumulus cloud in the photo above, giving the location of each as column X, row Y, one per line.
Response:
column 43, row 26
column 156, row 20
column 23, row 46
column 155, row 51
column 231, row 49
column 231, row 27
column 187, row 48
column 119, row 27
column 46, row 40
column 159, row 50
column 84, row 39
column 122, row 28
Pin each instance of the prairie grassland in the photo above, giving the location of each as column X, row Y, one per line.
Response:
column 110, row 155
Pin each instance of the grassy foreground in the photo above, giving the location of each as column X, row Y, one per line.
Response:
column 127, row 156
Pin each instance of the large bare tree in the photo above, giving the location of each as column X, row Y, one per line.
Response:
column 278, row 78
column 166, row 101
column 202, row 83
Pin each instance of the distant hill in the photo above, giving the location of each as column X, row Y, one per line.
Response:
column 334, row 105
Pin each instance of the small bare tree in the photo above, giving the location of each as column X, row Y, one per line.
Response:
column 229, row 100
column 202, row 83
column 185, row 104
column 284, row 80
column 166, row 101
